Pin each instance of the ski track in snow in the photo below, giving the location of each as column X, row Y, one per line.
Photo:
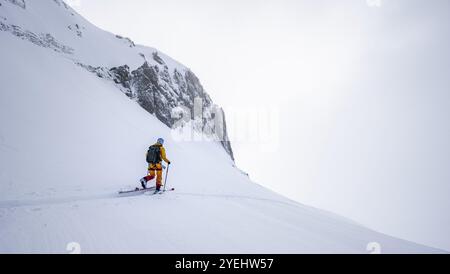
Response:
column 234, row 196
column 54, row 201
column 8, row 204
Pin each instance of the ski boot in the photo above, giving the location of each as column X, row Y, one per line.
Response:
column 143, row 183
column 158, row 189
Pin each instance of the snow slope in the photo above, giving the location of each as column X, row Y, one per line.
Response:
column 70, row 140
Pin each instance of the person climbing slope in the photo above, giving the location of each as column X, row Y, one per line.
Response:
column 155, row 155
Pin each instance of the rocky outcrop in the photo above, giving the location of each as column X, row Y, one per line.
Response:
column 160, row 92
column 19, row 3
column 175, row 97
column 45, row 40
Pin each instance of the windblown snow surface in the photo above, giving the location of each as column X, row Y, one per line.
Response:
column 70, row 140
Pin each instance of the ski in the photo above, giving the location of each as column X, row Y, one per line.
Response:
column 141, row 190
column 137, row 190
column 163, row 191
column 160, row 192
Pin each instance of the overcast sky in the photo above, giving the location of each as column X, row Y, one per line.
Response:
column 355, row 96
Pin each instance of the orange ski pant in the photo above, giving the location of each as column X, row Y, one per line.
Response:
column 155, row 170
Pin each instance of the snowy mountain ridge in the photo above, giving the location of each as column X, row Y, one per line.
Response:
column 69, row 140
column 157, row 82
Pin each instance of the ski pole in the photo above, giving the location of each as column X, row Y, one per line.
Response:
column 165, row 179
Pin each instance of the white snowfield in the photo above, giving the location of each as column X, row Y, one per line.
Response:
column 70, row 140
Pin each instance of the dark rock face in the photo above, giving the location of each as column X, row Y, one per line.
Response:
column 45, row 40
column 158, row 59
column 160, row 92
column 19, row 3
column 121, row 76
column 128, row 41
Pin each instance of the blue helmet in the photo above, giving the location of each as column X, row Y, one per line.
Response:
column 161, row 141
